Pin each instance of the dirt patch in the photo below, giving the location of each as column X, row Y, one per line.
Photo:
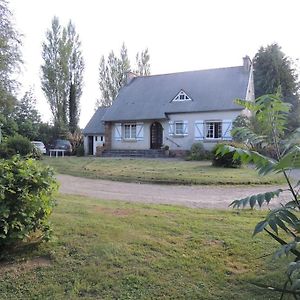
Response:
column 19, row 268
column 235, row 268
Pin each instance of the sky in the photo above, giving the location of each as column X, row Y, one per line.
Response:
column 180, row 35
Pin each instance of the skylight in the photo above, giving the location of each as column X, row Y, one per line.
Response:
column 181, row 96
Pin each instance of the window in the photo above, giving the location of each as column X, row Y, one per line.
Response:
column 213, row 129
column 182, row 96
column 101, row 138
column 96, row 138
column 179, row 128
column 129, row 131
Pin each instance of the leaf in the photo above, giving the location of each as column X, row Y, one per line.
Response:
column 296, row 285
column 256, row 199
column 260, row 227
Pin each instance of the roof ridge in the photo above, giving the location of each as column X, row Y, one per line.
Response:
column 164, row 74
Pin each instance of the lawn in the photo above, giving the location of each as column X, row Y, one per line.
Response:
column 164, row 171
column 117, row 250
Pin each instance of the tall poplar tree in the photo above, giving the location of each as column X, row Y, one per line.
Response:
column 113, row 72
column 62, row 75
column 142, row 62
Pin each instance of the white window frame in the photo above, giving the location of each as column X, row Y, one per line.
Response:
column 132, row 133
column 181, row 97
column 175, row 128
column 214, row 122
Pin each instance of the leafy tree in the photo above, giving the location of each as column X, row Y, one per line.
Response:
column 62, row 74
column 10, row 58
column 113, row 73
column 143, row 65
column 75, row 70
column 281, row 223
column 273, row 69
column 27, row 117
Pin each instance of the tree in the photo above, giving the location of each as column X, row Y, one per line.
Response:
column 273, row 69
column 27, row 116
column 143, row 65
column 10, row 59
column 76, row 67
column 113, row 73
column 281, row 223
column 62, row 75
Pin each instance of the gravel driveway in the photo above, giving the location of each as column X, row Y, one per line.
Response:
column 190, row 196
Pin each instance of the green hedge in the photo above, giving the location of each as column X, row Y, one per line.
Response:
column 226, row 160
column 26, row 199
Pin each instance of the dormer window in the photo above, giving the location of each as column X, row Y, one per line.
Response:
column 182, row 96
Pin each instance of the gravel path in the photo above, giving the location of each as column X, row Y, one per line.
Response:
column 190, row 196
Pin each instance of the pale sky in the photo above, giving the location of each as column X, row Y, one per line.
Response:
column 181, row 35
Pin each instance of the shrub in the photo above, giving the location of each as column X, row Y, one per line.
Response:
column 6, row 152
column 79, row 151
column 26, row 199
column 226, row 160
column 197, row 152
column 20, row 145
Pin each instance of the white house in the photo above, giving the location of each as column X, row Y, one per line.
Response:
column 177, row 109
column 94, row 132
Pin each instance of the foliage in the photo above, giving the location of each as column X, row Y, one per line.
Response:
column 113, row 73
column 282, row 223
column 62, row 75
column 240, row 121
column 27, row 117
column 142, row 62
column 6, row 152
column 48, row 133
column 19, row 144
column 226, row 160
column 197, row 152
column 76, row 140
column 10, row 58
column 273, row 69
column 26, row 199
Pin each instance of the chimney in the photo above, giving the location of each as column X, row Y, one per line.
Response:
column 129, row 76
column 247, row 63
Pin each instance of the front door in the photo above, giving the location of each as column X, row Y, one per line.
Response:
column 91, row 145
column 156, row 136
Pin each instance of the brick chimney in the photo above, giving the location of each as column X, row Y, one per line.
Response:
column 247, row 63
column 129, row 76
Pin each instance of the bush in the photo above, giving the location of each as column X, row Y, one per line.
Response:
column 79, row 151
column 198, row 152
column 26, row 199
column 6, row 152
column 226, row 160
column 20, row 145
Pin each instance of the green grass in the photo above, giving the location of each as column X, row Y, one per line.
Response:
column 158, row 171
column 117, row 250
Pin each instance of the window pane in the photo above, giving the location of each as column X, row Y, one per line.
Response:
column 210, row 130
column 218, row 130
column 127, row 131
column 179, row 128
column 133, row 131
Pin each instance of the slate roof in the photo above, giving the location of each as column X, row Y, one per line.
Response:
column 150, row 97
column 95, row 125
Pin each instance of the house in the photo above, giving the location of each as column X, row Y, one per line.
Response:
column 94, row 132
column 177, row 109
